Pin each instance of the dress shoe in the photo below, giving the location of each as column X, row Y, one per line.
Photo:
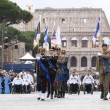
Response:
column 38, row 98
column 105, row 97
column 42, row 99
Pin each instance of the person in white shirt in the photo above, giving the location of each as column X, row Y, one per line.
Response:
column 29, row 81
column 17, row 83
column 74, row 82
column 88, row 81
column 23, row 73
column 76, row 73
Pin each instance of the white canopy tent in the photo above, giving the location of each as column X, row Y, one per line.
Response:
column 28, row 62
column 27, row 57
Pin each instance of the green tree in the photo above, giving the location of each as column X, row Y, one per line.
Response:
column 11, row 13
column 27, row 37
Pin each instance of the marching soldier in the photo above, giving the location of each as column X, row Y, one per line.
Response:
column 57, row 88
column 103, row 66
column 42, row 74
column 65, row 73
column 52, row 72
column 62, row 74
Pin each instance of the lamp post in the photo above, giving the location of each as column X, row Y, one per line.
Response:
column 13, row 42
column 5, row 45
column 4, row 33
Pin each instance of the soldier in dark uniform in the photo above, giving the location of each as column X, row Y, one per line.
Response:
column 52, row 72
column 65, row 72
column 58, row 54
column 42, row 74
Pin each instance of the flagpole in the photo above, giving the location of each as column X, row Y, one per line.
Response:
column 100, row 32
column 40, row 35
column 38, row 40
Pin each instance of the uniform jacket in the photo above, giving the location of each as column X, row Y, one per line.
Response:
column 100, row 66
column 44, row 59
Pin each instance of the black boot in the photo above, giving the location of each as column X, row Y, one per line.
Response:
column 63, row 95
column 102, row 95
column 51, row 96
column 59, row 95
column 48, row 95
column 105, row 97
column 55, row 94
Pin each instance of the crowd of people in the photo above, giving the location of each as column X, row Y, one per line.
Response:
column 20, row 83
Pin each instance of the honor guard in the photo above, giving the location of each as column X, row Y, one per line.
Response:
column 60, row 73
column 42, row 74
column 65, row 72
column 103, row 67
column 52, row 72
column 58, row 53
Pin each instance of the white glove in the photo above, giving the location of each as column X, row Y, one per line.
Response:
column 38, row 58
column 99, row 54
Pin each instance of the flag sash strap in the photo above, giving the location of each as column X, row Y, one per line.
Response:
column 107, row 63
column 51, row 65
column 46, row 71
column 60, row 77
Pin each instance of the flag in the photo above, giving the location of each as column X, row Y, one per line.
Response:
column 46, row 39
column 58, row 37
column 37, row 34
column 96, row 33
column 53, row 39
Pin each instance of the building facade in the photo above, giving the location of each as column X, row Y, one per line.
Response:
column 12, row 54
column 77, row 29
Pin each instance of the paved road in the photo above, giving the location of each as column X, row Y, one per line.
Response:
column 71, row 102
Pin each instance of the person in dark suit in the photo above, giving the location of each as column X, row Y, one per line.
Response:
column 42, row 74
column 52, row 72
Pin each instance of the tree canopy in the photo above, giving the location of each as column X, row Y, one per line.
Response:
column 11, row 13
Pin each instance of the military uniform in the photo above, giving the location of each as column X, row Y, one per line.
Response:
column 41, row 76
column 62, row 75
column 52, row 73
column 65, row 73
column 104, row 75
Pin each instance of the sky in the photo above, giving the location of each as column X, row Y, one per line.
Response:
column 104, row 4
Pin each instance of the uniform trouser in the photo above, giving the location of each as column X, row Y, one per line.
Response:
column 29, row 88
column 51, row 84
column 18, row 88
column 88, row 87
column 73, row 87
column 104, row 82
column 41, row 83
column 58, row 83
column 64, row 85
column 64, row 81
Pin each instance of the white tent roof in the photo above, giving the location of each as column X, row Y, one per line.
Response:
column 27, row 57
column 28, row 62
